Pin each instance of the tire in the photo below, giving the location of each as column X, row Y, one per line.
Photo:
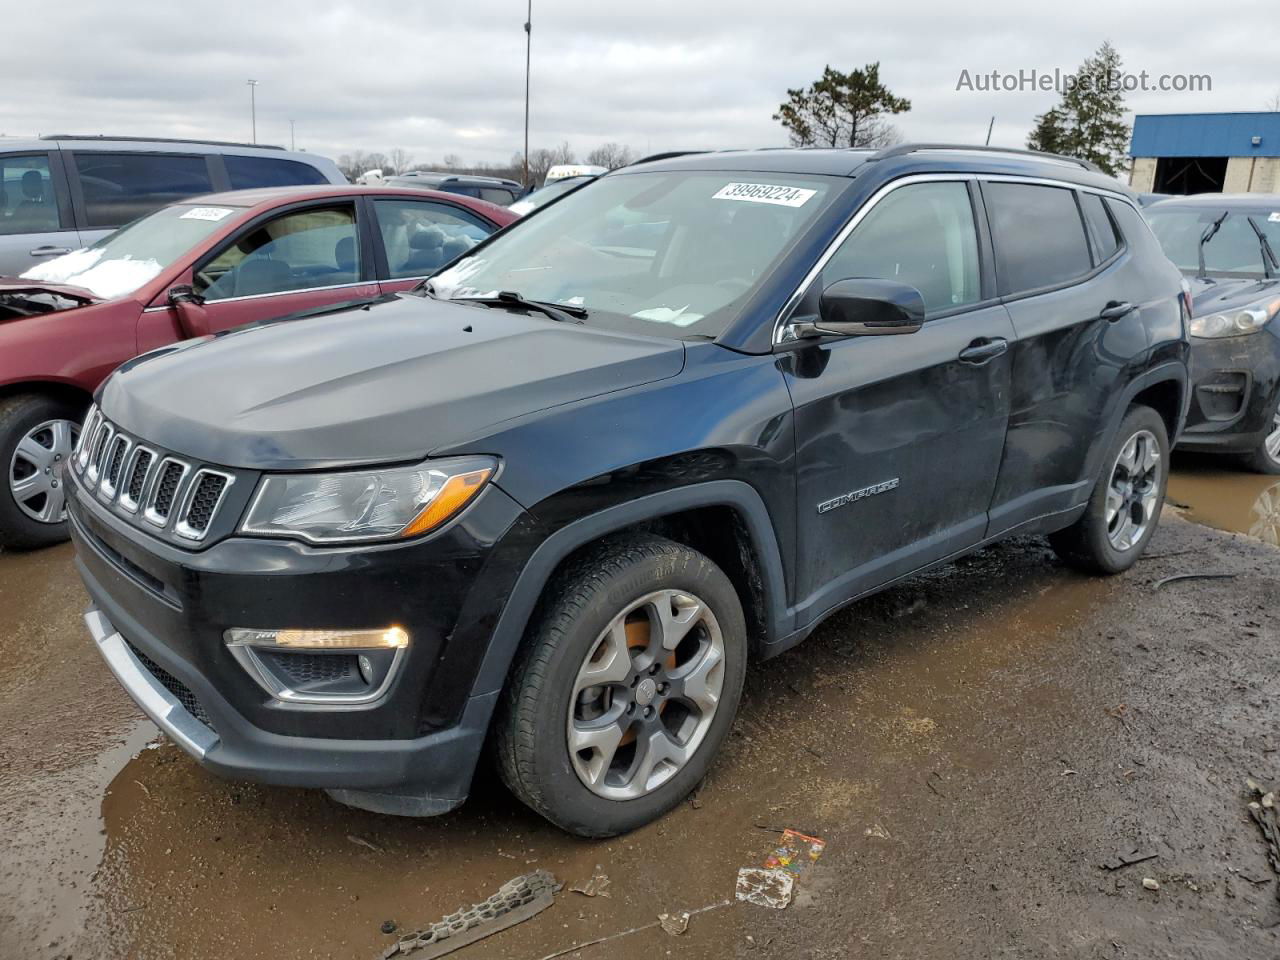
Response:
column 1266, row 458
column 580, row 633
column 20, row 416
column 1097, row 542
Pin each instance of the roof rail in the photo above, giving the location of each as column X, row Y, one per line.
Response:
column 668, row 155
column 209, row 143
column 903, row 149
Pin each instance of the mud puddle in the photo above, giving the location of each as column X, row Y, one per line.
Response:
column 1247, row 503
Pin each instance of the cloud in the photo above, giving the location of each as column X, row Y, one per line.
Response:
column 448, row 77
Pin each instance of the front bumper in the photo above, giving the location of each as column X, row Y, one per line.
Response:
column 159, row 612
column 1234, row 386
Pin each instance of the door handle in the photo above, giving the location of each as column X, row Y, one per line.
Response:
column 49, row 251
column 1115, row 310
column 983, row 351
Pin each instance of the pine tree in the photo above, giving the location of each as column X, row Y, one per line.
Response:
column 1089, row 121
column 1049, row 135
column 842, row 110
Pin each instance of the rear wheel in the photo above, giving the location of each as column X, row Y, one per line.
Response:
column 626, row 687
column 37, row 435
column 1266, row 458
column 1124, row 508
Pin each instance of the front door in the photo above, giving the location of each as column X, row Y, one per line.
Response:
column 418, row 237
column 297, row 260
column 898, row 438
column 35, row 212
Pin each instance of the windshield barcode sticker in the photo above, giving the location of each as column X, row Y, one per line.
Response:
column 765, row 193
column 205, row 213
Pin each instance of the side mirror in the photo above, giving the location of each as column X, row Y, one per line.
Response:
column 189, row 306
column 865, row 308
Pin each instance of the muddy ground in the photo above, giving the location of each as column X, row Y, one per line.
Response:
column 971, row 746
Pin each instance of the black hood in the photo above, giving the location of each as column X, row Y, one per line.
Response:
column 1216, row 294
column 387, row 384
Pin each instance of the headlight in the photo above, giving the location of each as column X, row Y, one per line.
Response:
column 1234, row 323
column 386, row 504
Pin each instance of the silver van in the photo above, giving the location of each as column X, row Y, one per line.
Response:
column 60, row 193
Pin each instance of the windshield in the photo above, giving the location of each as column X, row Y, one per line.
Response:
column 121, row 262
column 1234, row 251
column 661, row 253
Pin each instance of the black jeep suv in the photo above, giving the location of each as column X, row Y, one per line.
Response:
column 558, row 497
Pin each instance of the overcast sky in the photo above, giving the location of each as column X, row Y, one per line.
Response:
column 439, row 77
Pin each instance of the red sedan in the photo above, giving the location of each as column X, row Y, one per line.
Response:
column 189, row 270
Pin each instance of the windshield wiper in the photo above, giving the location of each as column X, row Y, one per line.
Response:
column 1269, row 263
column 561, row 313
column 1205, row 237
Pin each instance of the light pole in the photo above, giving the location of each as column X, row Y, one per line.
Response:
column 253, row 108
column 528, row 53
column 293, row 144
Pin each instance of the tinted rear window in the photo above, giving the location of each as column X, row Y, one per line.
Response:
column 248, row 172
column 1038, row 235
column 1104, row 232
column 120, row 187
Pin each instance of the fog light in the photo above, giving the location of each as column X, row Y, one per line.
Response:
column 390, row 638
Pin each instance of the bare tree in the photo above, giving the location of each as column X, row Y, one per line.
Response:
column 1273, row 105
column 563, row 154
column 399, row 159
column 611, row 156
column 452, row 161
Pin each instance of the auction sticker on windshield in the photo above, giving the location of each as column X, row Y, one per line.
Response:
column 206, row 213
column 765, row 193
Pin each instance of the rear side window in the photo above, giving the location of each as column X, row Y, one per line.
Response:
column 496, row 195
column 1038, row 236
column 248, row 172
column 27, row 203
column 120, row 187
column 1103, row 231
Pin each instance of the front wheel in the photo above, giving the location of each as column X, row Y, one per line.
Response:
column 1266, row 459
column 37, row 435
column 1124, row 508
column 626, row 687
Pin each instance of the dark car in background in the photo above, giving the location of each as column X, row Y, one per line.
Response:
column 553, row 190
column 189, row 270
column 1227, row 246
column 556, row 498
column 493, row 189
column 60, row 193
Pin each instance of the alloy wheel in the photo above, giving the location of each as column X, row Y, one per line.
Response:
column 646, row 695
column 1271, row 443
column 35, row 470
column 1134, row 491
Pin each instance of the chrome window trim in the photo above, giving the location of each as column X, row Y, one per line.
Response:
column 149, row 514
column 182, row 528
column 107, row 489
column 780, row 325
column 126, row 502
column 287, row 293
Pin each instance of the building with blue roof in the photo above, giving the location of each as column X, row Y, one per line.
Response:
column 1206, row 153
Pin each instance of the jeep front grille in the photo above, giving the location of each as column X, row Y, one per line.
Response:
column 170, row 493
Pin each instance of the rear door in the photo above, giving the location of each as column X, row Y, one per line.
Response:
column 898, row 438
column 35, row 210
column 1064, row 273
column 310, row 255
column 415, row 238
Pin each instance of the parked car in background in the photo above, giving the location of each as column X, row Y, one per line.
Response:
column 557, row 498
column 188, row 270
column 554, row 190
column 493, row 189
column 60, row 193
column 1227, row 245
column 563, row 170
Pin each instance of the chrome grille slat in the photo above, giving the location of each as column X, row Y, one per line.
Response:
column 134, row 484
column 100, row 445
column 165, row 489
column 200, row 506
column 113, row 460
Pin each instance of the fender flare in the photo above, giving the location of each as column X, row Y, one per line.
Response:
column 1165, row 373
column 736, row 494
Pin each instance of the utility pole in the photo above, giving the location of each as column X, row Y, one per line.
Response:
column 253, row 108
column 528, row 54
column 990, row 126
column 293, row 144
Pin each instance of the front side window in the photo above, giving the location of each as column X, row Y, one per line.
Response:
column 664, row 253
column 1038, row 236
column 1233, row 250
column 121, row 187
column 296, row 251
column 922, row 235
column 248, row 172
column 421, row 236
column 27, row 203
column 123, row 261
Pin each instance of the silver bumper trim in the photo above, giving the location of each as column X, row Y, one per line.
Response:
column 149, row 693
